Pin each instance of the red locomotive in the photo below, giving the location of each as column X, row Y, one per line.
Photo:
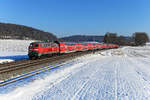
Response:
column 38, row 49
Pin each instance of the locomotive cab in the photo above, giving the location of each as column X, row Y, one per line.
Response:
column 33, row 50
column 39, row 49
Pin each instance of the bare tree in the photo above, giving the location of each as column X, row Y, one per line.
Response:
column 110, row 37
column 140, row 38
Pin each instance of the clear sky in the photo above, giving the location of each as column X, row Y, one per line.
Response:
column 72, row 17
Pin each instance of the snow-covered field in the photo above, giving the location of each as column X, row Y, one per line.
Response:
column 11, row 50
column 117, row 74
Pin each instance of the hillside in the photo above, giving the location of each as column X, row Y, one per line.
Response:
column 120, row 40
column 13, row 31
column 81, row 38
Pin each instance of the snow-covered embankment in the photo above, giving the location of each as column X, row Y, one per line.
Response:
column 117, row 74
column 11, row 50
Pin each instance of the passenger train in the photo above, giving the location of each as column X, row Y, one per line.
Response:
column 38, row 49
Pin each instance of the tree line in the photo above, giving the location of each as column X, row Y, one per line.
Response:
column 13, row 31
column 137, row 39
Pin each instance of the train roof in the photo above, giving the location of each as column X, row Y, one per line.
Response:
column 42, row 42
column 69, row 43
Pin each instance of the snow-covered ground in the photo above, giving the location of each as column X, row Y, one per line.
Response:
column 117, row 74
column 11, row 50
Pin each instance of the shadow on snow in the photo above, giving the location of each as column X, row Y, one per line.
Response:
column 17, row 57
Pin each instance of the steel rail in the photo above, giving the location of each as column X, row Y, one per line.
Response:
column 29, row 63
column 42, row 69
column 30, row 74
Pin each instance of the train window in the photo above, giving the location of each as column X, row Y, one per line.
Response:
column 35, row 45
column 31, row 45
column 53, row 45
column 42, row 45
column 45, row 45
column 57, row 45
column 49, row 45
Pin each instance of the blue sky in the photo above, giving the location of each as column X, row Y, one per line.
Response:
column 74, row 17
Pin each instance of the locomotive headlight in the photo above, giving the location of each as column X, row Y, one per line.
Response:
column 33, row 49
column 36, row 49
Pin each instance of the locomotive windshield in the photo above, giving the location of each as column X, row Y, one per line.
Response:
column 34, row 45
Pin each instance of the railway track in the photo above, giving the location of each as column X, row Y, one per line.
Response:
column 28, row 63
column 30, row 74
column 5, row 68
